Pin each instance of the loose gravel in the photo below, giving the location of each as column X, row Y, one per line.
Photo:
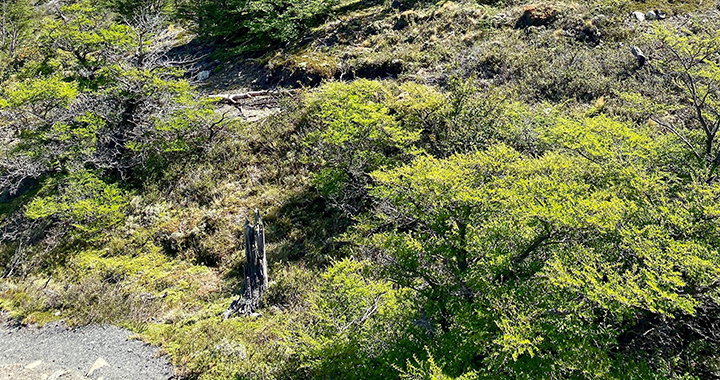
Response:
column 55, row 351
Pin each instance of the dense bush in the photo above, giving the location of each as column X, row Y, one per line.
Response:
column 527, row 253
column 351, row 132
column 256, row 23
column 102, row 111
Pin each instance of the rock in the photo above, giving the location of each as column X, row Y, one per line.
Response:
column 500, row 19
column 254, row 315
column 99, row 363
column 34, row 364
column 639, row 55
column 639, row 15
column 651, row 16
column 660, row 14
column 203, row 75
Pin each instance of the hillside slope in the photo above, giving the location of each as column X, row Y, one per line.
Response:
column 470, row 190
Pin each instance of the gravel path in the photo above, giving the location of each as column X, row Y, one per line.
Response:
column 55, row 352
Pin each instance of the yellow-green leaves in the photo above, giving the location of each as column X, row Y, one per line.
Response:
column 42, row 94
column 87, row 37
column 601, row 140
column 84, row 201
column 346, row 113
column 537, row 246
column 353, row 131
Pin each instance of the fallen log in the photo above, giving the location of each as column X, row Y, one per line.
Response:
column 234, row 98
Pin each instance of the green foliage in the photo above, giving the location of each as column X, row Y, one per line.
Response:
column 16, row 18
column 429, row 370
column 87, row 37
column 256, row 22
column 42, row 95
column 690, row 60
column 546, row 209
column 526, row 249
column 351, row 133
column 112, row 103
column 85, row 202
column 357, row 325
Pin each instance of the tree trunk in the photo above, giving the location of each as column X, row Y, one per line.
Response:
column 256, row 273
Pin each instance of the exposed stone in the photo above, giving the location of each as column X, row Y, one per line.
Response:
column 639, row 55
column 651, row 16
column 660, row 14
column 58, row 374
column 203, row 75
column 639, row 15
column 99, row 363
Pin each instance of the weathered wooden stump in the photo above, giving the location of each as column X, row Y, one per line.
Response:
column 256, row 273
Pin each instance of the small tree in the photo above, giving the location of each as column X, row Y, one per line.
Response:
column 112, row 108
column 692, row 63
column 117, row 104
column 15, row 24
column 352, row 132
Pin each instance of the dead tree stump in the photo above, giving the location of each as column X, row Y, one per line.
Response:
column 256, row 273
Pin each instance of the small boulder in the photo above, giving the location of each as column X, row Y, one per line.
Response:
column 639, row 16
column 639, row 55
column 203, row 75
column 660, row 14
column 651, row 16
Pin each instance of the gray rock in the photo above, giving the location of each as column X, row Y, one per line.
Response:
column 639, row 15
column 660, row 14
column 203, row 75
column 639, row 55
column 651, row 16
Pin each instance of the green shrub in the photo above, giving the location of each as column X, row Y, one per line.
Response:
column 351, row 132
column 358, row 326
column 83, row 201
column 256, row 22
column 524, row 251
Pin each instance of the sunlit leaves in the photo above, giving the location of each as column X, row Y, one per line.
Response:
column 536, row 245
column 84, row 201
